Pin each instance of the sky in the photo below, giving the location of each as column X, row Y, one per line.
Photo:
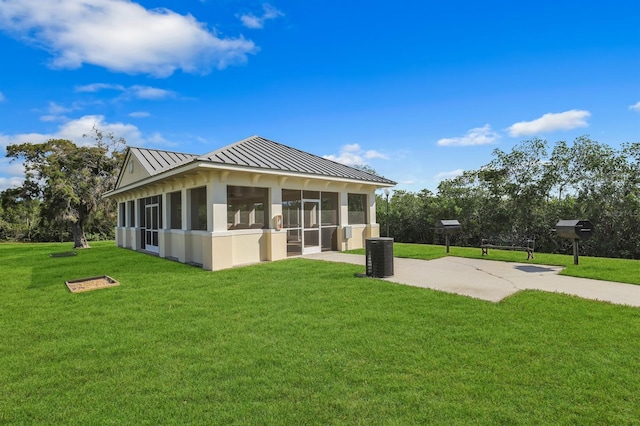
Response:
column 417, row 90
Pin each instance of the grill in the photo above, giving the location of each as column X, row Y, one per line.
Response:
column 448, row 227
column 575, row 230
column 379, row 254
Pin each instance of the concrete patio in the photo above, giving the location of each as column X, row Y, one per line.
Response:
column 493, row 280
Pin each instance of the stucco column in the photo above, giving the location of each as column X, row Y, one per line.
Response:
column 185, row 214
column 372, row 206
column 343, row 220
column 277, row 247
column 275, row 201
column 219, row 206
column 344, row 208
column 162, row 241
column 137, row 236
column 373, row 229
column 210, row 206
column 221, row 248
column 127, row 215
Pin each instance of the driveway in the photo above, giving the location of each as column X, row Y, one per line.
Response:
column 493, row 280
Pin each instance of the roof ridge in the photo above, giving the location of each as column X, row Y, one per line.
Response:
column 224, row 148
column 304, row 153
column 162, row 150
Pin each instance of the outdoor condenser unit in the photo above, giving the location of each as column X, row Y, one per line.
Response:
column 379, row 256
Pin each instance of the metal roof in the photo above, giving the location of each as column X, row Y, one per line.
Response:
column 156, row 161
column 255, row 152
column 258, row 152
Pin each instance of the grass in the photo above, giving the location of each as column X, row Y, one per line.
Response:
column 297, row 342
column 619, row 270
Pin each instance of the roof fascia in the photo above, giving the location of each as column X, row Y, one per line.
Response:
column 122, row 169
column 218, row 166
column 155, row 178
column 200, row 164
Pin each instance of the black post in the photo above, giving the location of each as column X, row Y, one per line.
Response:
column 387, row 214
column 446, row 239
column 575, row 251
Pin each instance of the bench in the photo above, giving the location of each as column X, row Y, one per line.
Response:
column 527, row 244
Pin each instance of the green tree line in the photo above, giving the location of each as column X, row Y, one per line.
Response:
column 518, row 194
column 61, row 197
column 525, row 192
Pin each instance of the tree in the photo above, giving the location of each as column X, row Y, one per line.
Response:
column 69, row 179
column 19, row 215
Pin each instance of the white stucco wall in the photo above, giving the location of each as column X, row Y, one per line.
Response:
column 219, row 248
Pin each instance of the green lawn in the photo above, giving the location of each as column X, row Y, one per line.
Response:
column 297, row 342
column 620, row 270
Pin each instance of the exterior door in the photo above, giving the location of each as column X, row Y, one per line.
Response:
column 311, row 227
column 151, row 231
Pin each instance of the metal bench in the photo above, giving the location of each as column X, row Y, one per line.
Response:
column 526, row 244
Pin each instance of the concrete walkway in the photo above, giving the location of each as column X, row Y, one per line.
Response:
column 493, row 280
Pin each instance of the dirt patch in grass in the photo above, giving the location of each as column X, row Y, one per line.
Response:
column 93, row 283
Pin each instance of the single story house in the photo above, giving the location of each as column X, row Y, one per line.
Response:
column 251, row 201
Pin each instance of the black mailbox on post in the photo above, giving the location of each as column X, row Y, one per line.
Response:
column 448, row 227
column 575, row 230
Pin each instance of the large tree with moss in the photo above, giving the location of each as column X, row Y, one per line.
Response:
column 71, row 179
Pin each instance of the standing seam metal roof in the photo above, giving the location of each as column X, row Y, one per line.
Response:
column 155, row 161
column 257, row 152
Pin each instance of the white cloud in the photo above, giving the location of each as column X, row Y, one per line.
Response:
column 12, row 174
column 56, row 112
column 551, row 122
column 477, row 136
column 139, row 114
column 375, row 154
column 74, row 129
column 448, row 175
column 634, row 107
column 122, row 36
column 354, row 155
column 136, row 91
column 249, row 20
column 147, row 92
column 10, row 182
column 56, row 109
column 96, row 87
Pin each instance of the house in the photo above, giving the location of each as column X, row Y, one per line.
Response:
column 254, row 200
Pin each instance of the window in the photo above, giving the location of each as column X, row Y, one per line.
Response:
column 247, row 207
column 198, row 198
column 291, row 206
column 357, row 209
column 122, row 213
column 329, row 208
column 175, row 203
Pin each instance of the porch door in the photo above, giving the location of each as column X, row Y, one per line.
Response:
column 311, row 227
column 151, row 231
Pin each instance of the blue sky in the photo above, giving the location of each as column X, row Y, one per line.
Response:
column 418, row 90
